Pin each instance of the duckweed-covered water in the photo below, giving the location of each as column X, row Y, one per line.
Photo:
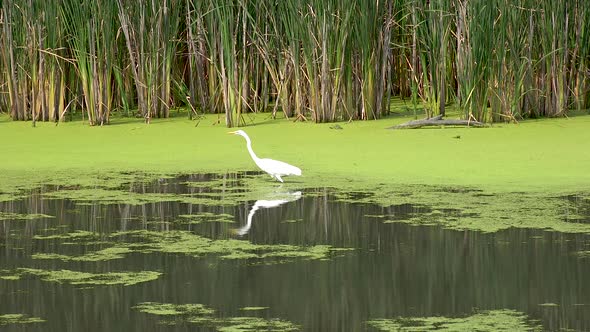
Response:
column 211, row 253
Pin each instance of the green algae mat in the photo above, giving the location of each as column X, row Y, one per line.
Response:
column 200, row 315
column 15, row 319
column 170, row 226
column 494, row 320
column 541, row 155
column 83, row 278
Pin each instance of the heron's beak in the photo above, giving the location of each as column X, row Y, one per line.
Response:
column 231, row 132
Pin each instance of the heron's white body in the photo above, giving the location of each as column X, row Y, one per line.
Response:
column 274, row 168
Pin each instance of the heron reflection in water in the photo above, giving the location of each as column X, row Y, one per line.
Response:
column 265, row 204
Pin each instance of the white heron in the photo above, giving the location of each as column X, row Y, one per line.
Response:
column 274, row 168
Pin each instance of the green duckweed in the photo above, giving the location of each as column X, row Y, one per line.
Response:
column 493, row 320
column 172, row 314
column 187, row 243
column 21, row 216
column 9, row 319
column 82, row 278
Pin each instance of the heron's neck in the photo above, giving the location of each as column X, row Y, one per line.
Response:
column 249, row 145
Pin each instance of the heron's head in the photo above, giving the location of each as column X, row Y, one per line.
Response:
column 238, row 132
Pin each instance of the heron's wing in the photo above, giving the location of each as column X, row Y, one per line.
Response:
column 278, row 167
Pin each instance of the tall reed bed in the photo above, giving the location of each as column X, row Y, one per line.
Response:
column 91, row 40
column 496, row 60
column 523, row 58
column 150, row 30
column 31, row 48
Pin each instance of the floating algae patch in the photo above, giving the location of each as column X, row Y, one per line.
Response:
column 17, row 183
column 200, row 314
column 218, row 183
column 493, row 320
column 206, row 217
column 21, row 216
column 100, row 255
column 5, row 197
column 106, row 196
column 247, row 189
column 207, row 199
column 106, row 180
column 115, row 196
column 83, row 278
column 184, row 242
column 124, row 190
column 578, row 208
column 315, row 252
column 78, row 235
column 168, row 309
column 181, row 242
column 548, row 304
column 291, row 221
column 253, row 308
column 7, row 319
column 472, row 209
column 9, row 275
column 495, row 166
column 237, row 324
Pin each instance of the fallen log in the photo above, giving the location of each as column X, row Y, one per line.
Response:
column 437, row 121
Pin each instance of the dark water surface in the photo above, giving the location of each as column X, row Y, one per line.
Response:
column 395, row 269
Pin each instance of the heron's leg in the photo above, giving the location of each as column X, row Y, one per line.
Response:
column 278, row 177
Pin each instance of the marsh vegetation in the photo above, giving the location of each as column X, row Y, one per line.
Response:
column 385, row 230
column 322, row 61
